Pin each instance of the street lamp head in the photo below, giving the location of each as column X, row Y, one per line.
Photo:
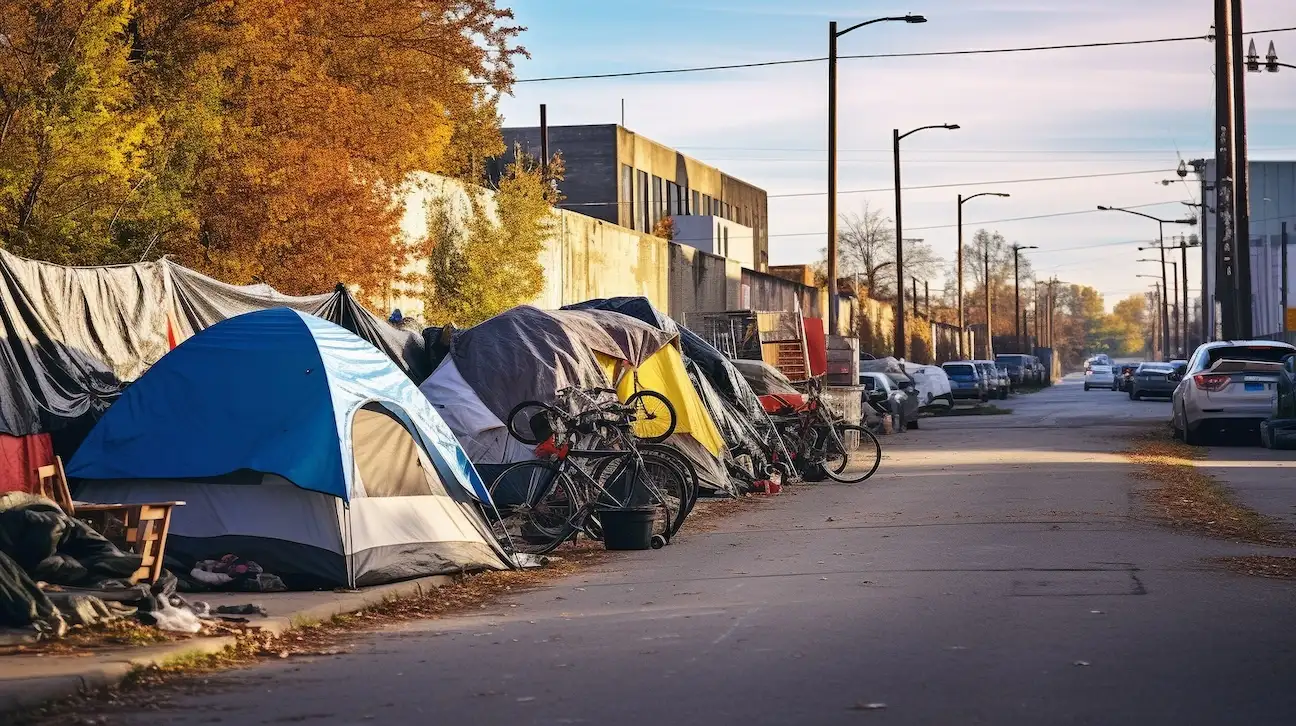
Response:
column 1186, row 220
column 1252, row 58
column 1000, row 194
column 952, row 127
column 915, row 19
column 1182, row 171
column 1104, row 208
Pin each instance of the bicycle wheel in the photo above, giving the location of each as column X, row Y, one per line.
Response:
column 681, row 462
column 660, row 482
column 537, row 507
column 653, row 417
column 530, row 422
column 837, row 456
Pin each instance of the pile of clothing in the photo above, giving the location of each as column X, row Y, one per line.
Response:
column 56, row 572
column 231, row 573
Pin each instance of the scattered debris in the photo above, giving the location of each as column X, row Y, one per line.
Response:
column 1274, row 567
column 1082, row 663
column 1184, row 496
column 868, row 706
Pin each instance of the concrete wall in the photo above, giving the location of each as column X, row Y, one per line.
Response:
column 588, row 258
column 717, row 236
column 768, row 292
column 701, row 283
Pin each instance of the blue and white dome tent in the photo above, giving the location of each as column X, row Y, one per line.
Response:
column 298, row 445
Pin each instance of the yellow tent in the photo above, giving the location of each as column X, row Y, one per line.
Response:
column 664, row 373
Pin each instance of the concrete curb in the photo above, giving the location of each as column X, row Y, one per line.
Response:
column 61, row 677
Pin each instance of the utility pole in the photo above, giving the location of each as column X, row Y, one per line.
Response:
column 989, row 341
column 915, row 295
column 1017, row 312
column 1227, row 287
column 544, row 143
column 1241, row 176
column 1284, row 278
column 927, row 297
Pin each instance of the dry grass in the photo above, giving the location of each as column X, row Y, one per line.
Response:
column 1185, row 497
column 1277, row 568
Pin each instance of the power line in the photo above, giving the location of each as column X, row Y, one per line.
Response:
column 870, row 56
column 976, row 184
column 992, row 221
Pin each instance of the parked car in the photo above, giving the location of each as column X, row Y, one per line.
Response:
column 1098, row 375
column 1125, row 375
column 902, row 405
column 966, row 381
column 1152, row 380
column 1019, row 367
column 1227, row 385
column 997, row 381
column 934, row 390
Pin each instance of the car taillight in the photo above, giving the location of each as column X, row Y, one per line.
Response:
column 1088, row 373
column 1208, row 382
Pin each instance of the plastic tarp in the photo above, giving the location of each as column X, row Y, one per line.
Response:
column 272, row 391
column 716, row 366
column 527, row 354
column 71, row 338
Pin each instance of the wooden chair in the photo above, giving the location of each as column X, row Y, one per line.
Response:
column 138, row 528
column 53, row 485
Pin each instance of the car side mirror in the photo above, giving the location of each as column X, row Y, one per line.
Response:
column 1174, row 376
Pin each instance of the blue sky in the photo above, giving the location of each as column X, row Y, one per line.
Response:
column 1024, row 115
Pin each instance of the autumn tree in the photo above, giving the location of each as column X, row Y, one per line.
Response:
column 253, row 139
column 483, row 264
column 866, row 248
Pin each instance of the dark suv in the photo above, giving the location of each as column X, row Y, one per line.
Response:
column 1019, row 367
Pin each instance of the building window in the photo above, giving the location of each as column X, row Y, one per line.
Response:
column 672, row 198
column 726, row 241
column 696, row 208
column 643, row 213
column 706, row 205
column 728, row 211
column 626, row 211
column 658, row 199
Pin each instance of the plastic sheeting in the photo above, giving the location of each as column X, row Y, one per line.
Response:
column 72, row 338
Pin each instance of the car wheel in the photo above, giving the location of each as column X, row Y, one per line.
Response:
column 1086, row 386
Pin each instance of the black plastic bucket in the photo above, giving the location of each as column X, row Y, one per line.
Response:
column 627, row 529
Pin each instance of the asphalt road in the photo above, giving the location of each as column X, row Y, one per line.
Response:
column 991, row 573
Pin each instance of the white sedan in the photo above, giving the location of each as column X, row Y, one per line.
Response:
column 1098, row 375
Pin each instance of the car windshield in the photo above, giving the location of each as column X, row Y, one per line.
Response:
column 1264, row 353
column 1156, row 367
column 959, row 369
column 1016, row 361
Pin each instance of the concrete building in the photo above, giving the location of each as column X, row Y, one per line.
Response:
column 1272, row 189
column 621, row 177
column 717, row 236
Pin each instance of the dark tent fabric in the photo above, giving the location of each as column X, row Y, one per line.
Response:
column 72, row 338
column 724, row 378
column 552, row 349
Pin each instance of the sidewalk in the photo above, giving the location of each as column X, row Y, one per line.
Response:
column 30, row 680
column 1261, row 478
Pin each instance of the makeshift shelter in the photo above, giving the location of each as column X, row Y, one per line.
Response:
column 71, row 338
column 295, row 444
column 527, row 354
column 723, row 390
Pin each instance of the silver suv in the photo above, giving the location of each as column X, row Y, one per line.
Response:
column 1227, row 385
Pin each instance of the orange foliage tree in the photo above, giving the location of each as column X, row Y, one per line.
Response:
column 268, row 140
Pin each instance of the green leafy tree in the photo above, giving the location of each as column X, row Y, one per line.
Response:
column 488, row 264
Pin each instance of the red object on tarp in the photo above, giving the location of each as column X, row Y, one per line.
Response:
column 816, row 345
column 782, row 402
column 20, row 457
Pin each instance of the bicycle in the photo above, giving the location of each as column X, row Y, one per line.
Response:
column 820, row 442
column 546, row 502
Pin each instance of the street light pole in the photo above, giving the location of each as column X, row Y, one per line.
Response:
column 896, row 138
column 1017, row 314
column 1160, row 302
column 1161, row 223
column 833, row 35
column 959, row 274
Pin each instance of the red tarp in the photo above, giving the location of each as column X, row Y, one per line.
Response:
column 20, row 457
column 816, row 345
